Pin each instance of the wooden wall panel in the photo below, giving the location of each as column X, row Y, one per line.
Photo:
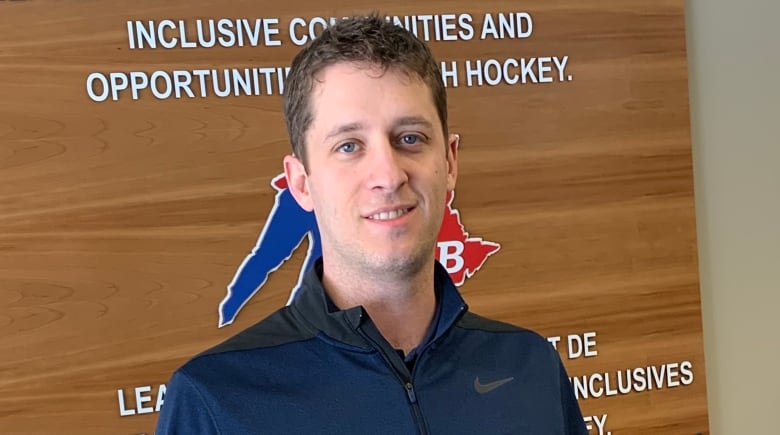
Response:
column 122, row 222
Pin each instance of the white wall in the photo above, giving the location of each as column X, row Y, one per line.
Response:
column 734, row 73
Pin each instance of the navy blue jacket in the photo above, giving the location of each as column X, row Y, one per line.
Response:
column 310, row 368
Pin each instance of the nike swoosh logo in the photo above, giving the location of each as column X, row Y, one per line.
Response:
column 486, row 388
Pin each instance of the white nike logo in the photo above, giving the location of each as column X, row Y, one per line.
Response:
column 486, row 388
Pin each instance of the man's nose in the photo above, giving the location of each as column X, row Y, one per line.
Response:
column 387, row 168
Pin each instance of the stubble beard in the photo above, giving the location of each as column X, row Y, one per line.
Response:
column 406, row 266
column 393, row 265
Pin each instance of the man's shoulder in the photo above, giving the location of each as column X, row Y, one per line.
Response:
column 511, row 344
column 475, row 322
column 278, row 329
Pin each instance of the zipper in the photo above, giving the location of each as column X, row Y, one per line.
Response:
column 402, row 372
column 416, row 408
column 410, row 392
column 406, row 382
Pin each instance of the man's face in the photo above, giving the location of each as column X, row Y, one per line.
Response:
column 378, row 169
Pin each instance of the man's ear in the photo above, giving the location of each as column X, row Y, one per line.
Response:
column 298, row 181
column 452, row 161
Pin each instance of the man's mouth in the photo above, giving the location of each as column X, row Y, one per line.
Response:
column 391, row 214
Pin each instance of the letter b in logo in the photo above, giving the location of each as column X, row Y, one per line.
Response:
column 451, row 255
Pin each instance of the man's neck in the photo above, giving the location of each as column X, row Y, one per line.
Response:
column 401, row 307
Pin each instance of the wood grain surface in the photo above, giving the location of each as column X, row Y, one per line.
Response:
column 122, row 222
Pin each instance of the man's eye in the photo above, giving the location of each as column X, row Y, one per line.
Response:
column 348, row 147
column 410, row 139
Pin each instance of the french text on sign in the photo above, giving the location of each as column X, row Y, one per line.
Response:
column 581, row 346
column 141, row 400
column 597, row 422
column 577, row 345
column 635, row 380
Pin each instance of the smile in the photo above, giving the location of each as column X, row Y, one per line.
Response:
column 388, row 215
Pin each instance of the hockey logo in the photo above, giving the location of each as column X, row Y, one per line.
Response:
column 288, row 225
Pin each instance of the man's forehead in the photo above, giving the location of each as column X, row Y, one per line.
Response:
column 333, row 86
column 340, row 81
column 371, row 69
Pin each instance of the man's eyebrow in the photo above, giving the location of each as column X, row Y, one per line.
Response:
column 414, row 120
column 404, row 121
column 344, row 128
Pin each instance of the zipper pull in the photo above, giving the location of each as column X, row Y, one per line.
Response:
column 410, row 392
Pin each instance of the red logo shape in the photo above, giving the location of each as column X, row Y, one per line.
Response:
column 460, row 254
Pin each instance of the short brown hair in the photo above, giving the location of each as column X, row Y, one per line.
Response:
column 370, row 40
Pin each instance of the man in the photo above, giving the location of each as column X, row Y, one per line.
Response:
column 378, row 339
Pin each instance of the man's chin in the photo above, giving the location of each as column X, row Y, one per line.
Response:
column 401, row 262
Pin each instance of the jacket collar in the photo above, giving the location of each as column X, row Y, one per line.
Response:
column 314, row 308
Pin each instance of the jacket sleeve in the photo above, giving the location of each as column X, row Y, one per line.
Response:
column 184, row 411
column 573, row 421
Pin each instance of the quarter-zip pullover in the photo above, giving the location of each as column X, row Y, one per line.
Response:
column 310, row 368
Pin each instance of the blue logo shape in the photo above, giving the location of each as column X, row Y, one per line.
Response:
column 286, row 227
